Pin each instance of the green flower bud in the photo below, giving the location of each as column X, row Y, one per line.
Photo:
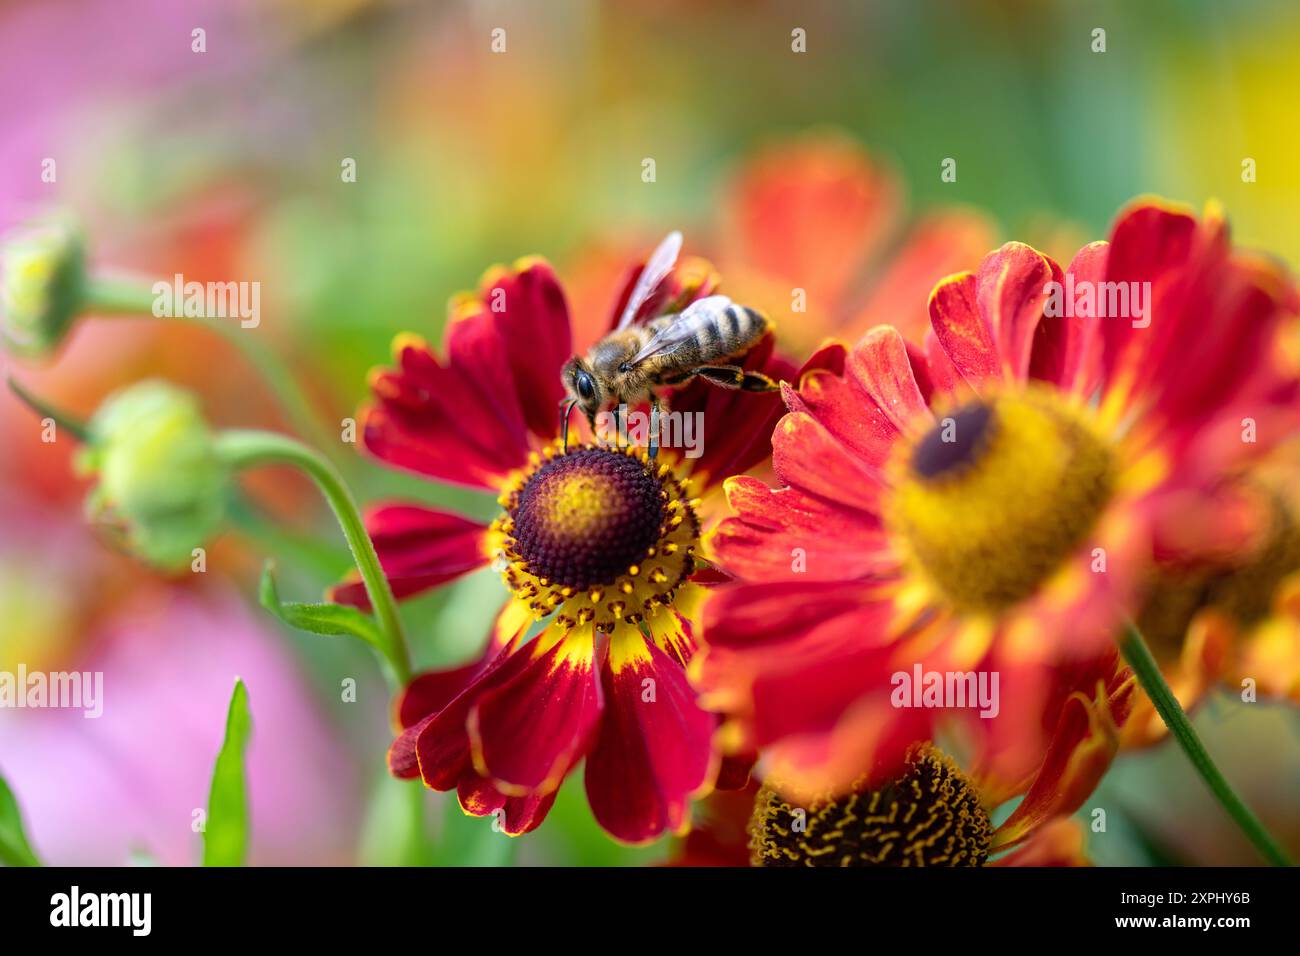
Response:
column 162, row 483
column 42, row 285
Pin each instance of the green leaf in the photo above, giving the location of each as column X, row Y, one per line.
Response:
column 14, row 848
column 332, row 619
column 225, row 835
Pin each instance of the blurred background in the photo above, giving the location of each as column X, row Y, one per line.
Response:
column 226, row 164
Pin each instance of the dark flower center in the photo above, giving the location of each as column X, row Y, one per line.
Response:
column 583, row 518
column 930, row 816
column 954, row 442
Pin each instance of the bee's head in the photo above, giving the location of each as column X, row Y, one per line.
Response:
column 582, row 386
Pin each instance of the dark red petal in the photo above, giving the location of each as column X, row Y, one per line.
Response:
column 534, row 328
column 447, row 421
column 402, row 759
column 527, row 732
column 735, row 771
column 431, row 691
column 443, row 745
column 419, row 548
column 467, row 420
column 654, row 750
column 519, row 815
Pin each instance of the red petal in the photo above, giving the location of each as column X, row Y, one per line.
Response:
column 528, row 731
column 843, row 405
column 751, row 615
column 881, row 364
column 811, row 212
column 947, row 380
column 1213, row 319
column 1080, row 753
column 771, row 527
column 1149, row 242
column 654, row 751
column 830, row 356
column 965, row 337
column 807, row 456
column 1067, row 348
column 1059, row 843
column 1012, row 290
column 419, row 548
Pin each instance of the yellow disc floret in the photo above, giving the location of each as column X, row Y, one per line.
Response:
column 991, row 500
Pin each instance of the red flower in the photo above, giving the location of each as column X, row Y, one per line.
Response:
column 947, row 811
column 600, row 542
column 984, row 500
column 819, row 213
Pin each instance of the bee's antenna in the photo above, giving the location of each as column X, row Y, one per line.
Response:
column 566, row 407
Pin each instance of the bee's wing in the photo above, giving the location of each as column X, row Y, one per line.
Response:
column 659, row 264
column 700, row 314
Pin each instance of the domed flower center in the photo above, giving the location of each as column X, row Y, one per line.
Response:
column 998, row 494
column 596, row 534
column 584, row 517
column 1244, row 593
column 930, row 816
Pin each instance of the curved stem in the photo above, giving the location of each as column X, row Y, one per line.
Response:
column 248, row 448
column 1138, row 654
column 126, row 297
column 77, row 429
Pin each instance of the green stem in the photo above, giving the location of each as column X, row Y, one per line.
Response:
column 247, row 449
column 127, row 297
column 1138, row 655
column 116, row 295
column 67, row 422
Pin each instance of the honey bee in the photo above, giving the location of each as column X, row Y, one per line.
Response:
column 707, row 340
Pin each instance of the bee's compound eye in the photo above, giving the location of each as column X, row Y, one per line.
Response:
column 586, row 387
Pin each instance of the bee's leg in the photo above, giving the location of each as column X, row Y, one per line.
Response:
column 618, row 425
column 566, row 407
column 653, row 449
column 733, row 376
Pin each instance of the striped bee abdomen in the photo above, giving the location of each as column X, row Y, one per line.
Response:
column 739, row 328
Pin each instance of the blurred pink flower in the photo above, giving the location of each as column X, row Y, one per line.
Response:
column 94, row 790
